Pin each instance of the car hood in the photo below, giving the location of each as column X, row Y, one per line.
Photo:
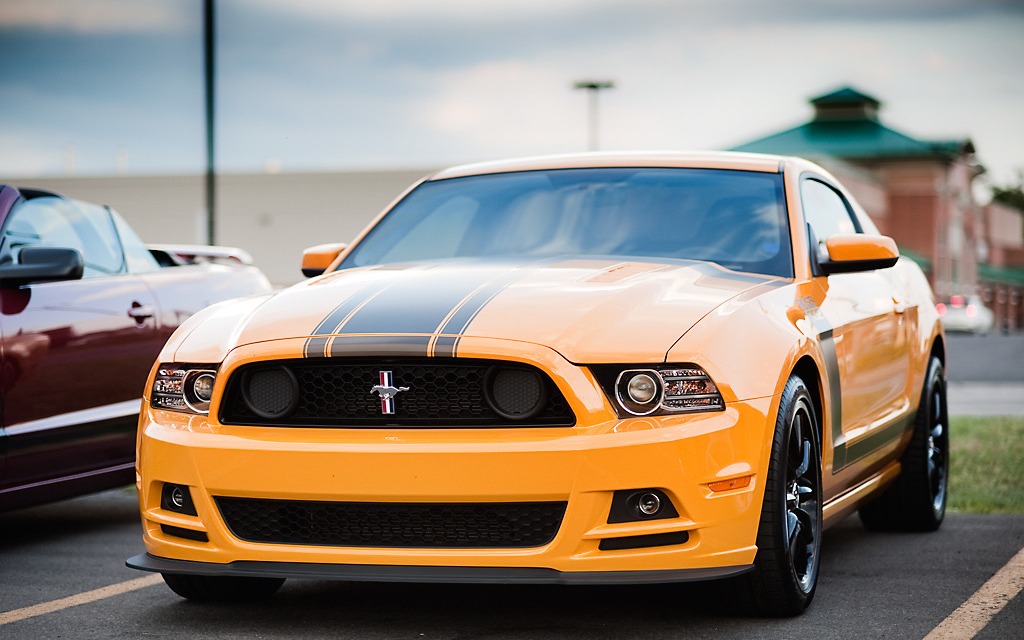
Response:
column 588, row 310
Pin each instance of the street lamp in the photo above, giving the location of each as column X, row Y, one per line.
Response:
column 593, row 87
column 209, row 31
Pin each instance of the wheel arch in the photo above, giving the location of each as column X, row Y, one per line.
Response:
column 939, row 349
column 807, row 369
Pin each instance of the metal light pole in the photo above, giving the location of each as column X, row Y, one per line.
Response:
column 593, row 87
column 208, row 68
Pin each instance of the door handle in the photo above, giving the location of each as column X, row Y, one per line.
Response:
column 140, row 312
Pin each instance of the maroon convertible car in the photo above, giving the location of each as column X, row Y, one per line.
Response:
column 84, row 308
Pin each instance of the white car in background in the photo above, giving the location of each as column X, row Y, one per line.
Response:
column 966, row 313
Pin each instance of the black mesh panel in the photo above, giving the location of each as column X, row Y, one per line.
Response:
column 441, row 393
column 386, row 524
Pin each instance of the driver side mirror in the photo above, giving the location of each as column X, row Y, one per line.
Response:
column 315, row 260
column 42, row 264
column 858, row 252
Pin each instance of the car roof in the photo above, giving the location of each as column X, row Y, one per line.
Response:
column 695, row 159
column 30, row 192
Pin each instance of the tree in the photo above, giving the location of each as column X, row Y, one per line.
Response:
column 1011, row 196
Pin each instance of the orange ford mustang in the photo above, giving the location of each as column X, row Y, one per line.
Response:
column 607, row 368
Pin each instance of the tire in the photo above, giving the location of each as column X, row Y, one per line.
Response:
column 785, row 572
column 222, row 588
column 916, row 501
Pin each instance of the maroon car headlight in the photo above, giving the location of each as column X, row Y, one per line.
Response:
column 184, row 387
column 659, row 390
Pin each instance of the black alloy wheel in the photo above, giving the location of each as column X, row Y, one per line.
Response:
column 785, row 571
column 916, row 501
column 803, row 506
column 937, row 427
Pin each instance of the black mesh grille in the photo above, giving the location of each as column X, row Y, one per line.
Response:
column 441, row 393
column 387, row 524
column 271, row 393
column 516, row 392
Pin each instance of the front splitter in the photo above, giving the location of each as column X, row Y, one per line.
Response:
column 408, row 573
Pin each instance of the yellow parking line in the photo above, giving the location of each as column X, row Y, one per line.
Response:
column 82, row 598
column 972, row 616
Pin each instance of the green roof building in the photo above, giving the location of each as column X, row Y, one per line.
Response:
column 846, row 126
column 918, row 191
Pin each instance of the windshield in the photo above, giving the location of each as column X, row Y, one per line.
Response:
column 734, row 218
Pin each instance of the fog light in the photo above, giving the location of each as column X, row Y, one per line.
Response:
column 636, row 505
column 176, row 498
column 649, row 504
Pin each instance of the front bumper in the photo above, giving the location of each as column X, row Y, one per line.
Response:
column 582, row 465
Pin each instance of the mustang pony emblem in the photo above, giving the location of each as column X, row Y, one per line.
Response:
column 387, row 392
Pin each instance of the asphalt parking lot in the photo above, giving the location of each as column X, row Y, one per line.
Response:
column 54, row 558
column 872, row 586
column 986, row 376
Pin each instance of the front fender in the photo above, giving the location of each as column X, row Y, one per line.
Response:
column 751, row 344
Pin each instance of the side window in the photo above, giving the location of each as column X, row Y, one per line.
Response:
column 55, row 222
column 138, row 257
column 825, row 210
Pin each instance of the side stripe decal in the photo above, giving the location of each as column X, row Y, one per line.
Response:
column 843, row 453
column 835, row 399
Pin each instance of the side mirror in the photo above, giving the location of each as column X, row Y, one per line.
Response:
column 315, row 260
column 858, row 252
column 42, row 264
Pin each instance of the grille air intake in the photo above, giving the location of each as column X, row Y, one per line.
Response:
column 433, row 392
column 396, row 525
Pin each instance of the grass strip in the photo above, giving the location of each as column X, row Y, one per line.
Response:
column 986, row 464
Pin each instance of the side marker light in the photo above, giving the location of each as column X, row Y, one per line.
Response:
column 729, row 485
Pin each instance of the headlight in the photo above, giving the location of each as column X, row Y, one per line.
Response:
column 639, row 391
column 659, row 390
column 184, row 387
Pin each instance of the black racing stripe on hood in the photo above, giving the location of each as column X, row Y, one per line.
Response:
column 444, row 346
column 317, row 347
column 461, row 318
column 417, row 305
column 379, row 346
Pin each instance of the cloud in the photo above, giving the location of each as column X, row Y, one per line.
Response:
column 436, row 11
column 398, row 13
column 498, row 101
column 25, row 155
column 326, row 83
column 99, row 16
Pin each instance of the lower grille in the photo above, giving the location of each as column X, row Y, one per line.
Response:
column 385, row 524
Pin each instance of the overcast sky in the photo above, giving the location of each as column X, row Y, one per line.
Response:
column 101, row 86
